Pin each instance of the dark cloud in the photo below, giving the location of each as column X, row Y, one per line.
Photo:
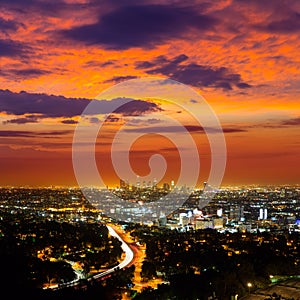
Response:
column 46, row 105
column 137, row 108
column 23, row 73
column 214, row 130
column 9, row 25
column 193, row 73
column 10, row 48
column 141, row 122
column 189, row 128
column 51, row 106
column 94, row 120
column 98, row 64
column 32, row 134
column 141, row 26
column 117, row 79
column 69, row 122
column 281, row 17
column 112, row 119
column 289, row 24
column 233, row 130
column 25, row 120
column 46, row 7
column 292, row 122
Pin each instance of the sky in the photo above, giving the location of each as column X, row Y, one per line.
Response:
column 240, row 56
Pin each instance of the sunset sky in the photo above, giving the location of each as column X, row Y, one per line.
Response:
column 241, row 56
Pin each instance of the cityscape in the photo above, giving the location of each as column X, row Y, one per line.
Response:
column 149, row 150
column 245, row 243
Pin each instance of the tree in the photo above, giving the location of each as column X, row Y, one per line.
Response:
column 148, row 270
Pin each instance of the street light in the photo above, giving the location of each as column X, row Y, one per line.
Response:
column 249, row 284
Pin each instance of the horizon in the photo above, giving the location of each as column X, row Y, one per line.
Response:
column 240, row 58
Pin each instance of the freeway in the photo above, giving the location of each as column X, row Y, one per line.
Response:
column 129, row 256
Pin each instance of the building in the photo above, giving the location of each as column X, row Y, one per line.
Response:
column 218, row 223
column 263, row 214
column 237, row 213
column 123, row 184
column 203, row 223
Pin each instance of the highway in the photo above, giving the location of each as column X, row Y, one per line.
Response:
column 129, row 256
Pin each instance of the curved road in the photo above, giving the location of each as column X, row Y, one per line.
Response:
column 129, row 256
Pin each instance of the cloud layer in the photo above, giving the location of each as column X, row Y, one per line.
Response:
column 140, row 26
column 36, row 106
column 193, row 73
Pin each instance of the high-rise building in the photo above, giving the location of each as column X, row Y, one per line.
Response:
column 172, row 184
column 123, row 184
column 219, row 212
column 263, row 213
column 237, row 212
column 166, row 187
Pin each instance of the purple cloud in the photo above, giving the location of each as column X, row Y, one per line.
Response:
column 9, row 48
column 69, row 122
column 292, row 122
column 141, row 26
column 137, row 108
column 43, row 105
column 23, row 73
column 9, row 25
column 25, row 120
column 193, row 73
column 33, row 134
column 117, row 79
column 189, row 128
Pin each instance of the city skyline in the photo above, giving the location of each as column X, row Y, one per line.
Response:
column 241, row 57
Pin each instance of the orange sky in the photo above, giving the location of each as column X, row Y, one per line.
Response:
column 241, row 56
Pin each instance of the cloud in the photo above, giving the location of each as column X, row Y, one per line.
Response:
column 193, row 73
column 24, row 120
column 43, row 105
column 189, row 128
column 33, row 134
column 282, row 18
column 46, row 105
column 99, row 64
column 9, row 25
column 292, row 122
column 117, row 79
column 141, row 26
column 46, row 7
column 233, row 130
column 9, row 48
column 276, row 16
column 209, row 130
column 287, row 25
column 112, row 119
column 94, row 120
column 137, row 108
column 23, row 73
column 141, row 122
column 69, row 122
